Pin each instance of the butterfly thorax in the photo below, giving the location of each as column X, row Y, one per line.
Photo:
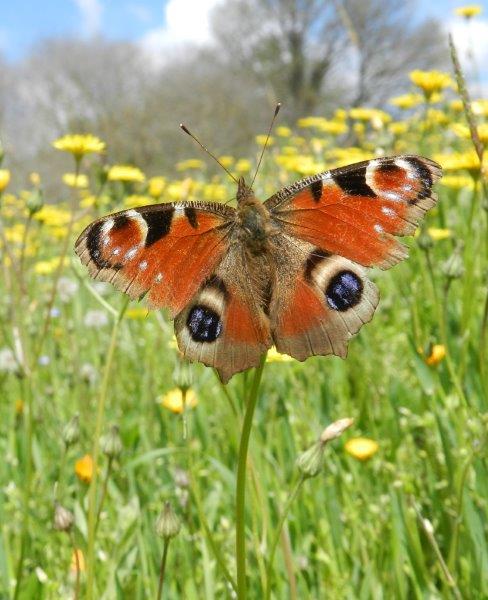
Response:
column 255, row 227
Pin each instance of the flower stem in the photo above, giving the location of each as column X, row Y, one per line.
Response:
column 241, row 482
column 274, row 544
column 92, row 500
column 162, row 569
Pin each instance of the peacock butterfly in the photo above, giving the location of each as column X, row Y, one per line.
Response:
column 289, row 271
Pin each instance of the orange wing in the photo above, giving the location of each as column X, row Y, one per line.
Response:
column 355, row 211
column 165, row 251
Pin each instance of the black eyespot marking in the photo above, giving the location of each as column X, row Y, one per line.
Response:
column 191, row 215
column 314, row 258
column 158, row 223
column 344, row 291
column 93, row 240
column 217, row 284
column 204, row 324
column 316, row 190
column 120, row 222
column 354, row 182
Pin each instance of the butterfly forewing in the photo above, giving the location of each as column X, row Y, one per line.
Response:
column 355, row 211
column 165, row 251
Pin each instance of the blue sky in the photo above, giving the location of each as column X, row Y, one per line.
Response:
column 25, row 22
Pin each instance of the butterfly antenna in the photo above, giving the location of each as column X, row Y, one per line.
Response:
column 277, row 110
column 205, row 149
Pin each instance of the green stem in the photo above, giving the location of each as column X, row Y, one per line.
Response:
column 104, row 490
column 274, row 544
column 92, row 500
column 241, row 482
column 162, row 569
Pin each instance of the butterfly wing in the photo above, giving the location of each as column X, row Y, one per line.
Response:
column 224, row 325
column 164, row 251
column 356, row 211
column 332, row 225
column 185, row 257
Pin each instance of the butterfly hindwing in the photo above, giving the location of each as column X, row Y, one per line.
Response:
column 164, row 250
column 321, row 300
column 224, row 325
column 355, row 211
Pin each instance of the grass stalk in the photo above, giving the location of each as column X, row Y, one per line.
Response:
column 92, row 499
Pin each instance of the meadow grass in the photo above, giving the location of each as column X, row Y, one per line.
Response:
column 409, row 521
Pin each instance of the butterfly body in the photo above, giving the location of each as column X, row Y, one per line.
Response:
column 289, row 271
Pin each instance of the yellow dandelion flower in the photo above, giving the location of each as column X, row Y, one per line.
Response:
column 307, row 122
column 47, row 267
column 88, row 201
column 126, row 173
column 289, row 150
column 19, row 407
column 173, row 400
column 430, row 82
column 406, row 101
column 226, row 161
column 398, row 128
column 136, row 312
column 176, row 191
column 457, row 182
column 376, row 117
column 75, row 181
column 340, row 114
column 15, row 234
column 361, row 448
column 438, row 234
column 469, row 11
column 437, row 354
column 35, row 179
column 460, row 161
column 215, row 192
column 52, row 215
column 243, row 165
column 480, row 107
column 261, row 140
column 463, row 131
column 438, row 117
column 77, row 561
column 456, row 105
column 136, row 200
column 156, row 186
column 79, row 144
column 4, row 179
column 84, row 468
column 191, row 163
column 283, row 131
column 275, row 356
column 333, row 127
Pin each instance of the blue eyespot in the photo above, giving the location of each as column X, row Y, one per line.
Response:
column 204, row 324
column 344, row 291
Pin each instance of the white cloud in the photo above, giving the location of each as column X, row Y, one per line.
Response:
column 186, row 21
column 471, row 40
column 91, row 14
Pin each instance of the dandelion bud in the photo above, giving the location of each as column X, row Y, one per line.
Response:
column 334, row 430
column 424, row 241
column 311, row 462
column 71, row 431
column 453, row 267
column 35, row 201
column 167, row 524
column 182, row 375
column 63, row 518
column 111, row 444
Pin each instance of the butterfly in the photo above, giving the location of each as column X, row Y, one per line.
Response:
column 289, row 272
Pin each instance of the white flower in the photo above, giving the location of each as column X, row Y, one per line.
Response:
column 95, row 318
column 101, row 287
column 8, row 362
column 67, row 288
column 44, row 360
column 88, row 373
